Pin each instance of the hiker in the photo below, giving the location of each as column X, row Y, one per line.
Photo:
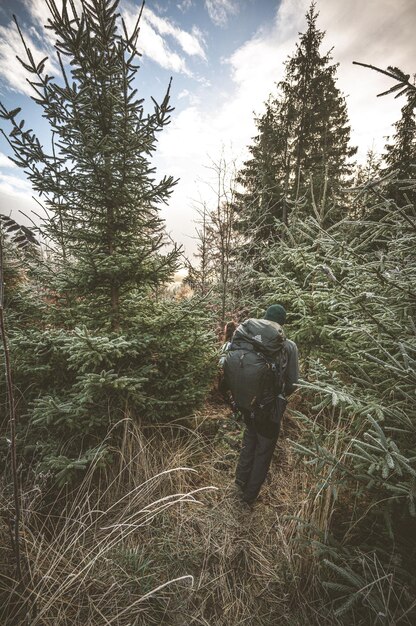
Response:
column 228, row 334
column 261, row 370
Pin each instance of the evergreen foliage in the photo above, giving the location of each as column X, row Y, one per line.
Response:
column 350, row 291
column 321, row 152
column 23, row 239
column 97, row 183
column 400, row 154
column 100, row 348
column 265, row 177
column 112, row 344
column 301, row 152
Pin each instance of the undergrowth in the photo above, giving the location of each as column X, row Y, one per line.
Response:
column 159, row 538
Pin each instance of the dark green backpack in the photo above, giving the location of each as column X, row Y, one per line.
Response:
column 255, row 364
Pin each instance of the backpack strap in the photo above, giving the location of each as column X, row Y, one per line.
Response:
column 277, row 367
column 280, row 366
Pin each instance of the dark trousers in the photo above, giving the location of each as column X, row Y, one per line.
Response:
column 255, row 458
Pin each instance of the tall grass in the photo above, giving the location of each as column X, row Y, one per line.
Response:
column 159, row 538
column 83, row 554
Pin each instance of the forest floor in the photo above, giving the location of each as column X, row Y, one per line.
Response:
column 247, row 566
column 161, row 539
column 277, row 492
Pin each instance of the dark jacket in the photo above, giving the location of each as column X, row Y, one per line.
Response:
column 292, row 368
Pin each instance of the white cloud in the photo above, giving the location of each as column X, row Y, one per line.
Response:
column 220, row 10
column 153, row 43
column 199, row 133
column 378, row 32
column 155, row 48
column 185, row 5
column 39, row 11
column 199, row 34
column 192, row 98
column 41, row 14
column 190, row 43
column 154, row 32
column 254, row 67
column 5, row 161
column 19, row 206
column 15, row 186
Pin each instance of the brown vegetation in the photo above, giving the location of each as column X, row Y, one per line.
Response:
column 161, row 539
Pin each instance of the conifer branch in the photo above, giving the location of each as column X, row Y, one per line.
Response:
column 396, row 74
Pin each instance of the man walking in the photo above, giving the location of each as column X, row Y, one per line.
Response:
column 261, row 370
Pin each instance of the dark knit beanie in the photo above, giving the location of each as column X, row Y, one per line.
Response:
column 276, row 313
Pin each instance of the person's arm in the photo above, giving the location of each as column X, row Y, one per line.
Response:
column 292, row 368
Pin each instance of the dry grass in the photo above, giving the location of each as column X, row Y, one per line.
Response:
column 160, row 539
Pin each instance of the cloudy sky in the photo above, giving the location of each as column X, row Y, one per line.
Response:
column 225, row 57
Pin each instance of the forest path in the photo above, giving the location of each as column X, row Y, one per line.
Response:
column 217, row 421
column 242, row 567
column 241, row 560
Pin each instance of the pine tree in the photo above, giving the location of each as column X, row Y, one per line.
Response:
column 110, row 345
column 97, row 183
column 349, row 291
column 301, row 154
column 400, row 155
column 320, row 130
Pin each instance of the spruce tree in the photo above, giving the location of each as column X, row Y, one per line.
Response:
column 263, row 198
column 261, row 176
column 96, row 183
column 321, row 131
column 301, row 154
column 349, row 291
column 111, row 345
column 400, row 154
